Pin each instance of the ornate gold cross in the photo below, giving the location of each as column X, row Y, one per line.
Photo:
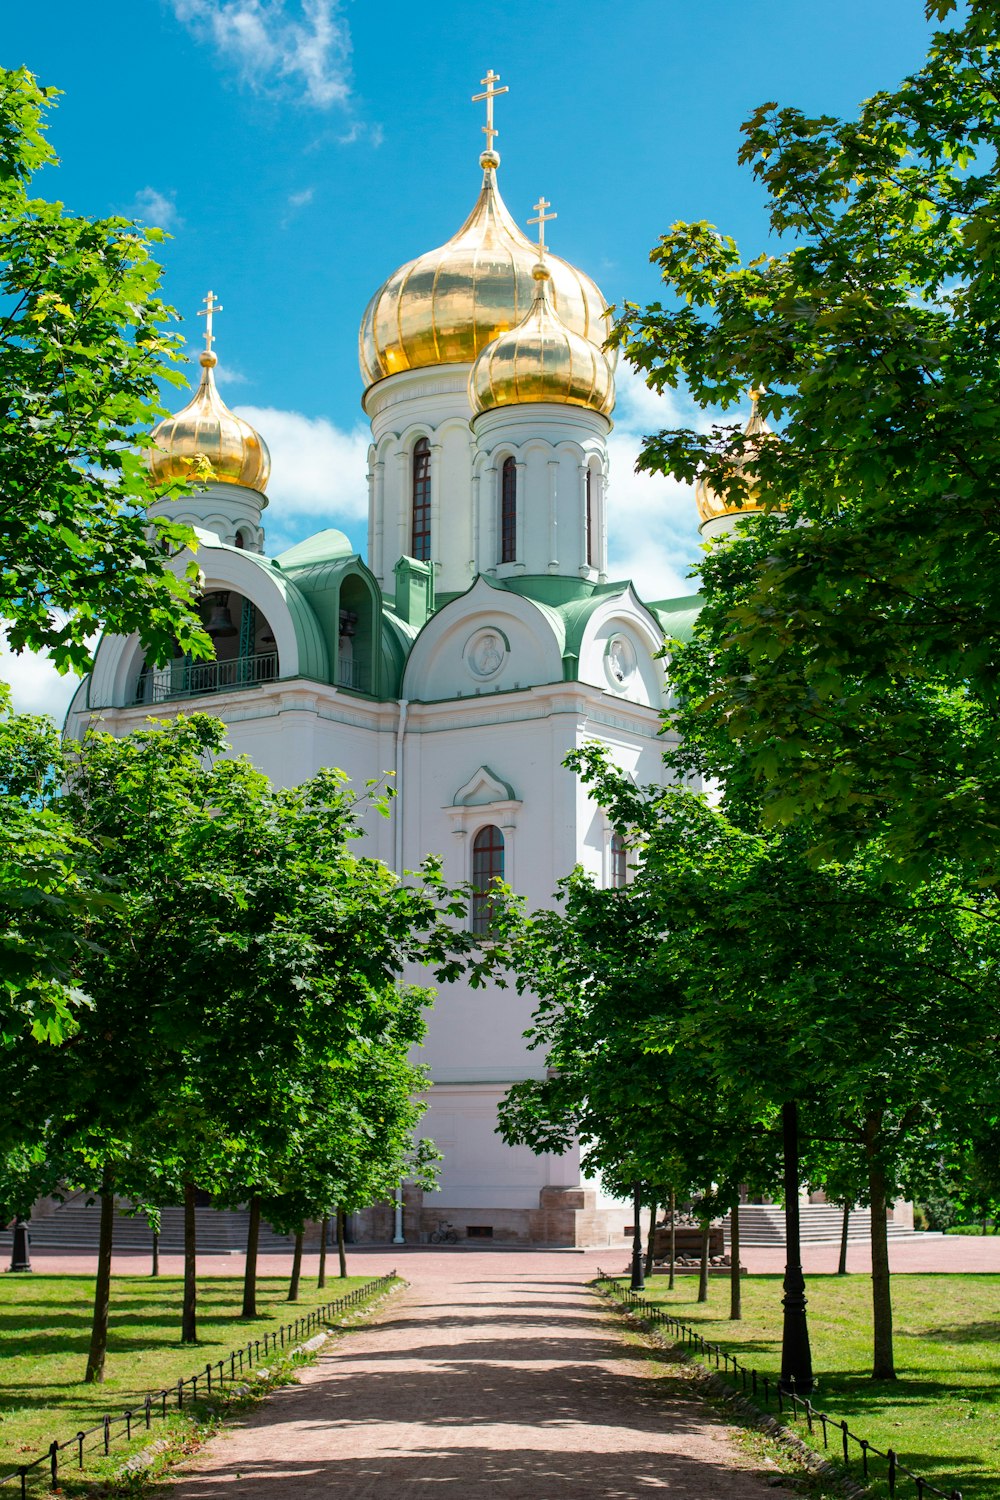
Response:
column 490, row 94
column 211, row 306
column 542, row 219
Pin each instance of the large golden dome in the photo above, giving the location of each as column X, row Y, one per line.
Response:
column 541, row 360
column 206, row 429
column 710, row 504
column 447, row 305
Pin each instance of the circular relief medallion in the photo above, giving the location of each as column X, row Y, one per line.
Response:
column 620, row 661
column 485, row 653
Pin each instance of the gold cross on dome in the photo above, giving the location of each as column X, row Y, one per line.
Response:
column 490, row 94
column 542, row 219
column 211, row 306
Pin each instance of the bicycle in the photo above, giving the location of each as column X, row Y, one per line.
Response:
column 444, row 1234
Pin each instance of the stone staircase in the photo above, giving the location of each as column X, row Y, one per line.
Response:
column 76, row 1226
column 764, row 1224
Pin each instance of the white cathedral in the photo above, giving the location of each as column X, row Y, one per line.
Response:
column 480, row 643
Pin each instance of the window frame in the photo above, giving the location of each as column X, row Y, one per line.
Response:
column 420, row 500
column 508, row 510
column 483, row 900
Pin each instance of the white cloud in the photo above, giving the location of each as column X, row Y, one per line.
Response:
column 156, row 208
column 36, row 686
column 318, row 471
column 299, row 200
column 652, row 521
column 270, row 47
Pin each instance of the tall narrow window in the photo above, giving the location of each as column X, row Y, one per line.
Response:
column 619, row 868
column 422, row 500
column 590, row 517
column 487, row 866
column 508, row 511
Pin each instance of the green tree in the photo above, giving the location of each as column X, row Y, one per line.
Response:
column 83, row 342
column 250, row 952
column 855, row 643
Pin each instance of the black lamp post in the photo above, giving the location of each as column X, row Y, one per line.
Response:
column 638, row 1276
column 796, row 1358
column 20, row 1259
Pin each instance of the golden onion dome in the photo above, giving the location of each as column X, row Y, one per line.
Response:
column 444, row 307
column 207, row 431
column 541, row 360
column 711, row 505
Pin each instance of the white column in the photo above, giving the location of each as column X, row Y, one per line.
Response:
column 488, row 495
column 377, row 542
column 403, row 500
column 509, row 874
column 475, row 563
column 553, row 515
column 601, row 561
column 584, row 569
column 371, row 514
column 436, row 507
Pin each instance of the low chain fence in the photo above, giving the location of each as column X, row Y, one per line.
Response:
column 756, row 1387
column 212, row 1377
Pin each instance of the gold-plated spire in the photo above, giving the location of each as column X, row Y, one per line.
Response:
column 446, row 305
column 541, row 220
column 541, row 359
column 490, row 158
column 211, row 306
column 207, row 432
column 710, row 504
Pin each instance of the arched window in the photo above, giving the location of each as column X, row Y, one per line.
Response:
column 508, row 511
column 590, row 517
column 487, row 866
column 619, row 866
column 422, row 500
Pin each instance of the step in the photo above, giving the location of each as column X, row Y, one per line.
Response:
column 76, row 1226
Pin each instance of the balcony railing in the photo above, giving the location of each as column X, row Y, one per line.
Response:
column 190, row 679
column 349, row 674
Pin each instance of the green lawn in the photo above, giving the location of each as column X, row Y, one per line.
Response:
column 45, row 1334
column 942, row 1416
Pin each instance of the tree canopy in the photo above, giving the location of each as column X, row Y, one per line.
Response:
column 83, row 341
column 854, row 641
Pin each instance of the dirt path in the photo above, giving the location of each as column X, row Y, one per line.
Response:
column 503, row 1379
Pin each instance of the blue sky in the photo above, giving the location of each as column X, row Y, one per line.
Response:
column 299, row 150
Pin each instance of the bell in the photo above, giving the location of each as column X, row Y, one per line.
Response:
column 220, row 623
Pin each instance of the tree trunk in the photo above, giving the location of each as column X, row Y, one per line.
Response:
column 293, row 1285
column 842, row 1263
column 735, row 1284
column 673, row 1238
column 883, row 1365
column 156, row 1253
column 321, row 1278
column 651, row 1241
column 341, row 1248
column 102, row 1289
column 706, row 1230
column 189, row 1316
column 250, row 1269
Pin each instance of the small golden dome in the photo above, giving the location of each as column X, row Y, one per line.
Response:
column 206, row 428
column 447, row 305
column 541, row 360
column 710, row 505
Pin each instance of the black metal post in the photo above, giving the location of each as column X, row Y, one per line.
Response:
column 20, row 1259
column 796, row 1358
column 638, row 1279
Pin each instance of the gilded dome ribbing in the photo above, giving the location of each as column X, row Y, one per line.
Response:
column 206, row 428
column 710, row 505
column 541, row 360
column 448, row 304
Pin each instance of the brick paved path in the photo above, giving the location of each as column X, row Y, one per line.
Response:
column 488, row 1375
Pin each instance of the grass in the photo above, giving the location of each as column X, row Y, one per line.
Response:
column 942, row 1415
column 45, row 1334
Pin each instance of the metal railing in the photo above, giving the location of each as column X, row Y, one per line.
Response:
column 214, row 1377
column 754, row 1385
column 189, row 679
